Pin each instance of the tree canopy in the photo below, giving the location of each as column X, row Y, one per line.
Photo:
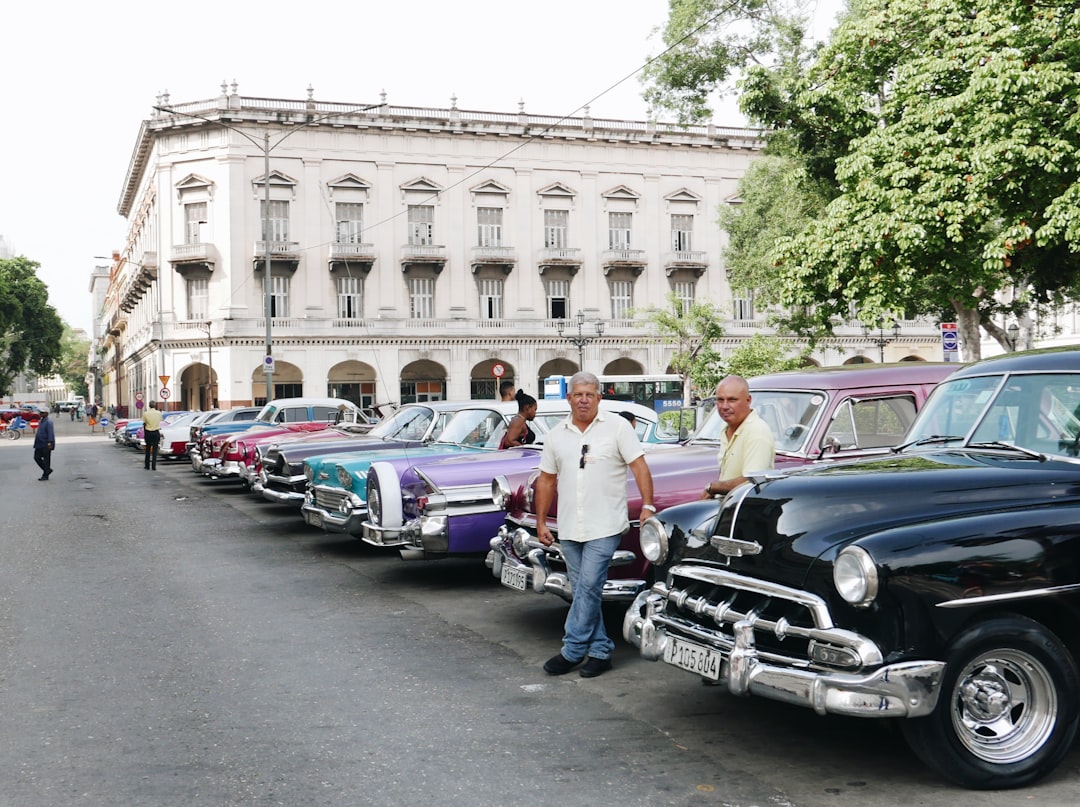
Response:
column 966, row 183
column 30, row 328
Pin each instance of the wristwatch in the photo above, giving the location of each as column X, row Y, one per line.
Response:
column 648, row 507
column 708, row 490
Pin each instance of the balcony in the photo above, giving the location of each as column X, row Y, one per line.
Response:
column 633, row 259
column 364, row 253
column 430, row 255
column 696, row 261
column 137, row 284
column 503, row 258
column 186, row 258
column 565, row 257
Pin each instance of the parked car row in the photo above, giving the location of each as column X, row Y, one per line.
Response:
column 915, row 552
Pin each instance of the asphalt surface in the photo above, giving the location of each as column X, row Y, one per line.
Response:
column 168, row 640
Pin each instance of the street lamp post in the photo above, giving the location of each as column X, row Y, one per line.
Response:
column 266, row 147
column 210, row 398
column 581, row 339
column 1012, row 334
column 883, row 337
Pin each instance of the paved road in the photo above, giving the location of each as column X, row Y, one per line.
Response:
column 165, row 640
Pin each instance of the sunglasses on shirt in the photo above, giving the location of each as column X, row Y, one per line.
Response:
column 584, row 451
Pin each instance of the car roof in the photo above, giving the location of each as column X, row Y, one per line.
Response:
column 849, row 376
column 1051, row 359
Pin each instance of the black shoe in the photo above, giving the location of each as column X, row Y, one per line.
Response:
column 594, row 667
column 43, row 478
column 559, row 665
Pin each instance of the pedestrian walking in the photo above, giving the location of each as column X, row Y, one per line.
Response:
column 44, row 443
column 152, row 436
column 584, row 459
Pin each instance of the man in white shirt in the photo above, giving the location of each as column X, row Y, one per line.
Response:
column 585, row 460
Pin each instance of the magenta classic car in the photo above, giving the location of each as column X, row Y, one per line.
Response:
column 817, row 414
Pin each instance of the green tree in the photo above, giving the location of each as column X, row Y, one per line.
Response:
column 73, row 362
column 30, row 328
column 692, row 331
column 761, row 354
column 708, row 43
column 964, row 185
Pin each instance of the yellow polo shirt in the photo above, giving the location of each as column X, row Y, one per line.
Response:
column 751, row 448
column 151, row 420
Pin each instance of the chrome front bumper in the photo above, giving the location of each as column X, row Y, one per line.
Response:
column 221, row 469
column 334, row 510
column 905, row 689
column 542, row 579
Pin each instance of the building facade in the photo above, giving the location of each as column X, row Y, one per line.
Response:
column 385, row 253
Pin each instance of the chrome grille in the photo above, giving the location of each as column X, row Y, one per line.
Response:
column 706, row 601
column 330, row 498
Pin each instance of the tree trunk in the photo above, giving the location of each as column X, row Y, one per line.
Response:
column 967, row 326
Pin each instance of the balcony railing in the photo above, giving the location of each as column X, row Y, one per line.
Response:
column 423, row 252
column 560, row 255
column 193, row 253
column 493, row 255
column 278, row 249
column 353, row 251
column 687, row 257
column 628, row 256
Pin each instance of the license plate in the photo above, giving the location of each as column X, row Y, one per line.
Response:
column 314, row 519
column 693, row 657
column 513, row 577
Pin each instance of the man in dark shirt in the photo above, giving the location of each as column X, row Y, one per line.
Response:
column 44, row 443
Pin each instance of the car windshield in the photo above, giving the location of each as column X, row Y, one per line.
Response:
column 407, row 423
column 481, row 428
column 1037, row 411
column 789, row 413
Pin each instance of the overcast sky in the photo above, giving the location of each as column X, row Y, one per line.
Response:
column 77, row 79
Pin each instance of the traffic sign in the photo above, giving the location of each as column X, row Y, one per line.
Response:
column 164, row 393
column 138, row 397
column 268, row 364
column 164, row 379
column 498, row 370
column 139, row 403
column 950, row 341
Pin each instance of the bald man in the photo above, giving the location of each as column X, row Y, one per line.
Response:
column 747, row 444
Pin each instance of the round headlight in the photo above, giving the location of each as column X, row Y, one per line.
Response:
column 500, row 492
column 855, row 576
column 654, row 541
column 344, row 477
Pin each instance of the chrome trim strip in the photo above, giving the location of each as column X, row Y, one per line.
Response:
column 964, row 602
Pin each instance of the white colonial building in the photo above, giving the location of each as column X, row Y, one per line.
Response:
column 413, row 253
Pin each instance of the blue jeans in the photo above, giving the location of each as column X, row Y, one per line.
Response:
column 587, row 567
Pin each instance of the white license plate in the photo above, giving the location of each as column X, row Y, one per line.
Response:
column 693, row 657
column 513, row 577
column 314, row 519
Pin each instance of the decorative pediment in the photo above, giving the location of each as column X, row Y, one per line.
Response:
column 195, row 184
column 734, row 199
column 491, row 186
column 421, row 185
column 683, row 195
column 281, row 185
column 621, row 192
column 556, row 189
column 348, row 185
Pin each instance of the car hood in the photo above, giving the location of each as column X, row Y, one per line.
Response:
column 817, row 510
column 477, row 468
column 324, row 469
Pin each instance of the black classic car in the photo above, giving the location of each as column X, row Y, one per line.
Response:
column 939, row 585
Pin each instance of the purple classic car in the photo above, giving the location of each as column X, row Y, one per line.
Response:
column 443, row 507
